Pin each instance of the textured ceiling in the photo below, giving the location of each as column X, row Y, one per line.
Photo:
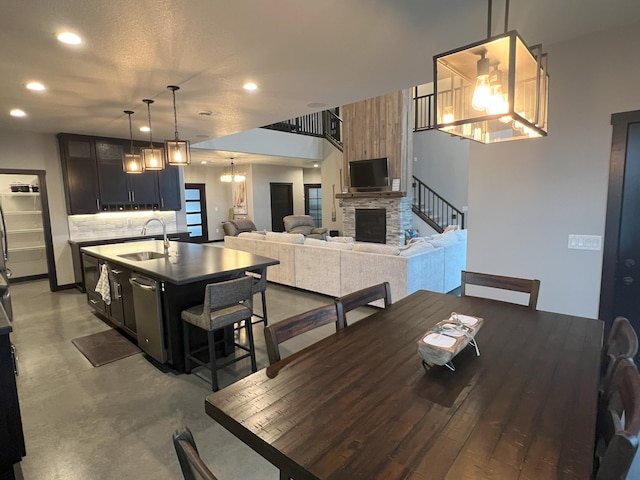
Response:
column 299, row 53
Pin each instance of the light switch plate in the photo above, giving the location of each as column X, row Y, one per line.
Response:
column 585, row 242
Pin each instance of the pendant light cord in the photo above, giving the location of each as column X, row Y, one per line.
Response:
column 175, row 114
column 130, row 135
column 149, row 102
column 489, row 15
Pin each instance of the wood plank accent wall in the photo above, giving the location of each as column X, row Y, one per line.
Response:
column 380, row 127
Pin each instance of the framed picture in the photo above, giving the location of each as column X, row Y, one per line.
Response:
column 239, row 192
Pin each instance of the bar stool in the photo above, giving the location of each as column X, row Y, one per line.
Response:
column 225, row 303
column 260, row 286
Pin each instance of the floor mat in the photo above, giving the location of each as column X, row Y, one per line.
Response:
column 105, row 347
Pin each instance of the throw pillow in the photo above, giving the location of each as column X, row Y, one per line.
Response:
column 450, row 228
column 254, row 235
column 376, row 248
column 285, row 237
column 303, row 229
column 340, row 239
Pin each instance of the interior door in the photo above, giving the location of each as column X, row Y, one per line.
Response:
column 196, row 206
column 621, row 263
column 281, row 204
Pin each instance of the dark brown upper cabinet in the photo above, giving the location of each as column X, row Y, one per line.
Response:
column 80, row 173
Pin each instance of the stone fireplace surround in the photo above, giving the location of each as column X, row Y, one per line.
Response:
column 396, row 204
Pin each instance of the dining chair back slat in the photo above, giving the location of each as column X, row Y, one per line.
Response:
column 515, row 284
column 192, row 466
column 276, row 333
column 621, row 342
column 618, row 432
column 363, row 297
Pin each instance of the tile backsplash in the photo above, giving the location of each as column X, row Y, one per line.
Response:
column 118, row 225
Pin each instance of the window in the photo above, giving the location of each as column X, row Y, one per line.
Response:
column 313, row 202
column 196, row 209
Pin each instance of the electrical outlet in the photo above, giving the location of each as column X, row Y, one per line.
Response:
column 585, row 242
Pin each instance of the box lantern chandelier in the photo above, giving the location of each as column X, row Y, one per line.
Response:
column 493, row 90
column 175, row 152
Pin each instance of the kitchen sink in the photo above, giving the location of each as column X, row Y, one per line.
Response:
column 139, row 256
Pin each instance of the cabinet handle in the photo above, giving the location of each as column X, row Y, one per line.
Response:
column 14, row 358
column 117, row 272
column 161, row 202
column 133, row 196
column 97, row 203
column 95, row 302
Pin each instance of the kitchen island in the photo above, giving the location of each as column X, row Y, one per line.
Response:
column 149, row 290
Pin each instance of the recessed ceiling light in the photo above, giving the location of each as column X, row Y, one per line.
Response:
column 35, row 86
column 204, row 162
column 16, row 112
column 144, row 129
column 69, row 38
column 315, row 165
column 250, row 86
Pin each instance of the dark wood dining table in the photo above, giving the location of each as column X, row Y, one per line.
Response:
column 359, row 404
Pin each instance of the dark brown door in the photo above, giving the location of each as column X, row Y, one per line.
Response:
column 281, row 204
column 620, row 293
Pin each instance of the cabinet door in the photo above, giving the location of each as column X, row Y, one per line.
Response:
column 169, row 182
column 122, row 310
column 114, row 189
column 91, row 267
column 80, row 173
column 144, row 188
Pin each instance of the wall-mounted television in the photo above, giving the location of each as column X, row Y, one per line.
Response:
column 372, row 174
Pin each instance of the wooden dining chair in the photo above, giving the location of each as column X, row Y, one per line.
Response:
column 618, row 425
column 192, row 466
column 621, row 342
column 524, row 285
column 276, row 333
column 363, row 297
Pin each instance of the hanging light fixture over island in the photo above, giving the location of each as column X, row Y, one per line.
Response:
column 178, row 151
column 493, row 90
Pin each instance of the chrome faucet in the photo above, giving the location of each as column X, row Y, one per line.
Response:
column 165, row 240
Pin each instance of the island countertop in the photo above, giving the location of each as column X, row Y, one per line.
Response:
column 187, row 262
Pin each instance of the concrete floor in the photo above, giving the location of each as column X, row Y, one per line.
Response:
column 115, row 421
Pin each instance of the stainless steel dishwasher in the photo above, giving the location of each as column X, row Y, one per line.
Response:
column 147, row 305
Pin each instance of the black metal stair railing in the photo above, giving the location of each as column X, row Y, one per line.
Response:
column 325, row 124
column 423, row 112
column 433, row 209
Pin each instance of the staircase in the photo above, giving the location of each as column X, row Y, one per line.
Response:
column 433, row 209
column 325, row 124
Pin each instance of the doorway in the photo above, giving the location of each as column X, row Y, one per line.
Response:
column 281, row 204
column 313, row 202
column 620, row 286
column 27, row 226
column 195, row 202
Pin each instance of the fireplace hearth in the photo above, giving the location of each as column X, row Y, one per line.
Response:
column 371, row 225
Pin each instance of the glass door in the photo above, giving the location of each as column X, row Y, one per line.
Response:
column 196, row 209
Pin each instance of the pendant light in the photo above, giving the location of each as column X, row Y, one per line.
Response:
column 232, row 177
column 493, row 90
column 131, row 162
column 178, row 151
column 152, row 157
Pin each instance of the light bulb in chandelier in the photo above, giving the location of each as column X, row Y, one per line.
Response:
column 482, row 92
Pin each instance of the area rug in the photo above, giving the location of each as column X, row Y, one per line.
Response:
column 105, row 347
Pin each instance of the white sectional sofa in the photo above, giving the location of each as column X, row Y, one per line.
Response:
column 337, row 267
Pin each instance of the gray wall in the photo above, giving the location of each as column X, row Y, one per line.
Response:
column 526, row 197
column 260, row 201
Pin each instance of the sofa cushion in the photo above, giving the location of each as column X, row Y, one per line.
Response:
column 303, row 229
column 444, row 240
column 254, row 235
column 462, row 235
column 297, row 238
column 315, row 242
column 340, row 239
column 415, row 248
column 380, row 248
